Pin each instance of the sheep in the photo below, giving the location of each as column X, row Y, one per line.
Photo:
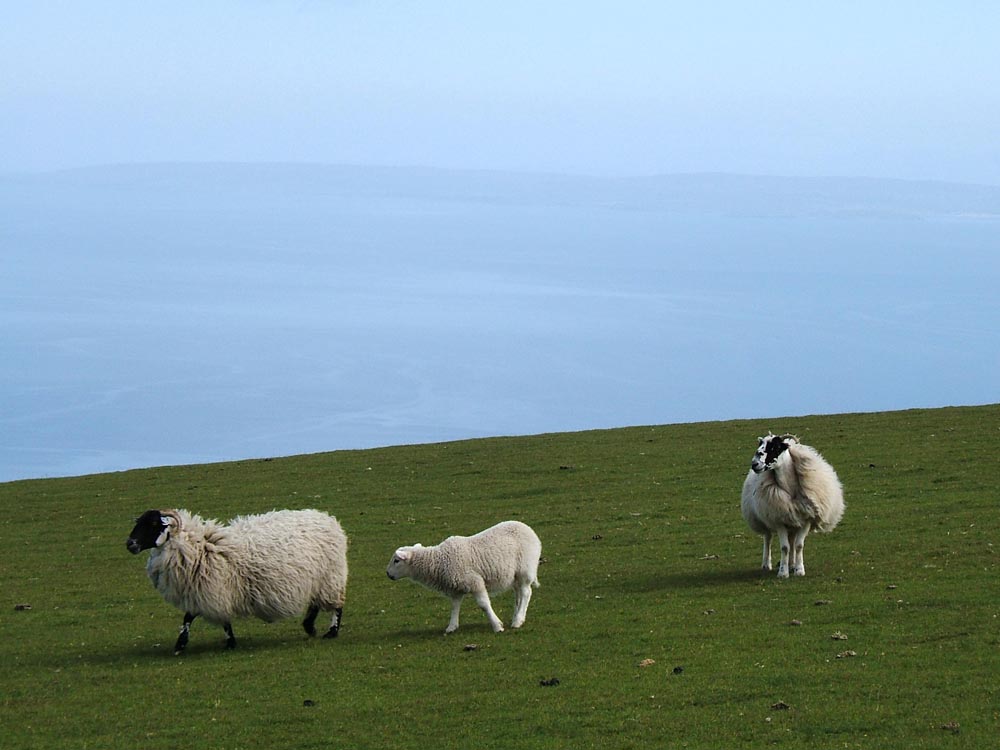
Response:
column 493, row 561
column 790, row 490
column 272, row 566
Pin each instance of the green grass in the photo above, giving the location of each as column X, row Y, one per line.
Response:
column 646, row 557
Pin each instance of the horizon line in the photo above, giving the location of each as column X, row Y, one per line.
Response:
column 495, row 171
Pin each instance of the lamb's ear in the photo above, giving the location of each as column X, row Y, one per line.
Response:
column 402, row 554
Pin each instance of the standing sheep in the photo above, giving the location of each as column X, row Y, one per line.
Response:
column 790, row 490
column 272, row 566
column 502, row 557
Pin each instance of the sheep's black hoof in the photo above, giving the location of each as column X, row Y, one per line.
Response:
column 332, row 633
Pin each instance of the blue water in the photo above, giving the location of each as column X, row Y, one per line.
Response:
column 147, row 324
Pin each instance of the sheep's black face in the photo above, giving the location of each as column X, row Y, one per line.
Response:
column 147, row 530
column 769, row 450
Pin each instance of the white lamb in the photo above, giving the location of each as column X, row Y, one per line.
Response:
column 502, row 557
column 790, row 490
column 272, row 566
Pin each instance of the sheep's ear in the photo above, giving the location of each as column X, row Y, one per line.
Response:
column 418, row 545
column 169, row 522
column 402, row 554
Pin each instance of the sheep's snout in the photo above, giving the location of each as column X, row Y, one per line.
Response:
column 757, row 466
column 133, row 546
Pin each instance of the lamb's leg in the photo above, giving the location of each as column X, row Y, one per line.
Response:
column 309, row 624
column 798, row 547
column 483, row 600
column 766, row 562
column 523, row 593
column 230, row 638
column 456, row 605
column 182, row 639
column 338, row 617
column 785, row 551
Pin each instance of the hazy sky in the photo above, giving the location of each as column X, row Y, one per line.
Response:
column 889, row 89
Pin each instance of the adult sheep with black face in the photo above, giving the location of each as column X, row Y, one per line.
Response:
column 790, row 490
column 272, row 566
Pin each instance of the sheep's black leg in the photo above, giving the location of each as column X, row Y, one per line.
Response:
column 230, row 638
column 309, row 624
column 182, row 639
column 334, row 630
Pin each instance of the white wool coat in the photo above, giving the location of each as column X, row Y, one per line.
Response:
column 802, row 491
column 272, row 566
column 499, row 556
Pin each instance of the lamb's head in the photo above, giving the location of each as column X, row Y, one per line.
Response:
column 770, row 450
column 152, row 529
column 399, row 565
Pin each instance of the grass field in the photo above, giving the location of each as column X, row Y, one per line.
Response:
column 652, row 615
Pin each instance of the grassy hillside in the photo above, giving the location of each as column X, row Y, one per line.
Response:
column 651, row 615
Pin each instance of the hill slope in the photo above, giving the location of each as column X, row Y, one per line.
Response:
column 646, row 558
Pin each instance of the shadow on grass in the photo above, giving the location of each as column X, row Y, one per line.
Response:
column 209, row 646
column 460, row 636
column 415, row 634
column 697, row 579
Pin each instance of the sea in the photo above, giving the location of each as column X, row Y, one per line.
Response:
column 172, row 314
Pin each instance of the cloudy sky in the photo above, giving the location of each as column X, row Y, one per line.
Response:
column 887, row 89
